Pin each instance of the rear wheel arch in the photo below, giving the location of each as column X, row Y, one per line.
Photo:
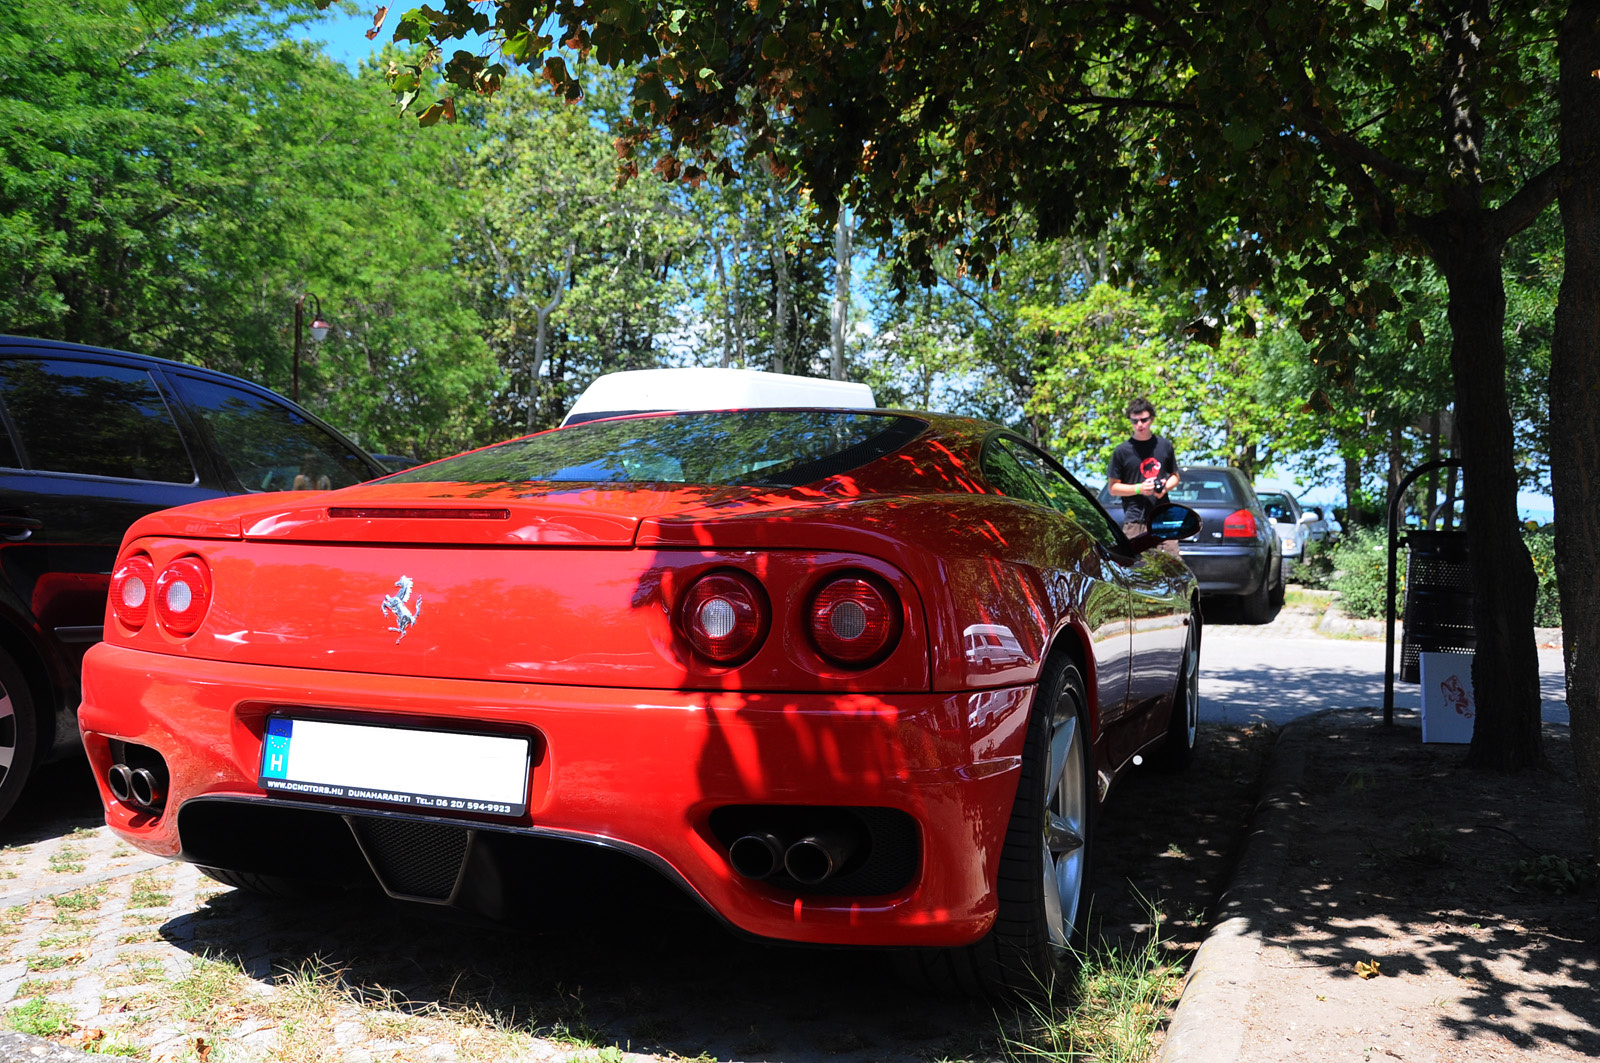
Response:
column 46, row 694
column 1072, row 642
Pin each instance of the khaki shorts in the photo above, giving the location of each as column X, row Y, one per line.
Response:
column 1133, row 528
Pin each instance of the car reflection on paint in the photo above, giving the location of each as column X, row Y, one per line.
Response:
column 844, row 676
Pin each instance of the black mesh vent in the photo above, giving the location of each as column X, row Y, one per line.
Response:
column 414, row 859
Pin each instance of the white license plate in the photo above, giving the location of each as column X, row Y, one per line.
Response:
column 436, row 771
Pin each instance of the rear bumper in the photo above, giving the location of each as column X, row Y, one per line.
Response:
column 638, row 771
column 1226, row 569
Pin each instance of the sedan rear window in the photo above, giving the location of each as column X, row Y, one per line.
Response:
column 1202, row 488
column 758, row 447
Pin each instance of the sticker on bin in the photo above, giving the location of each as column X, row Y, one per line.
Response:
column 432, row 771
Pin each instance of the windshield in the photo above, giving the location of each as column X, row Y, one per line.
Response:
column 739, row 447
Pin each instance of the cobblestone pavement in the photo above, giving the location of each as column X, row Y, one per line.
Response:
column 122, row 951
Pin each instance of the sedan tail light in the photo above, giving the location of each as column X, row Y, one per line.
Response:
column 183, row 594
column 132, row 584
column 1240, row 524
column 854, row 621
column 725, row 616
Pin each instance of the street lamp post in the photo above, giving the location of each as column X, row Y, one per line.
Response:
column 319, row 332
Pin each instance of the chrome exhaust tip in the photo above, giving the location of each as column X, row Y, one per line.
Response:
column 148, row 790
column 817, row 857
column 119, row 780
column 757, row 854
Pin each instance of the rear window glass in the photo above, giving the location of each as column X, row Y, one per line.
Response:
column 776, row 447
column 93, row 419
column 270, row 446
column 1202, row 487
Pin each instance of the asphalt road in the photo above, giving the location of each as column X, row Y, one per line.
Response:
column 1278, row 671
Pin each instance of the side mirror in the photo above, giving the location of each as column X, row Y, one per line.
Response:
column 1167, row 524
column 1310, row 517
column 1172, row 522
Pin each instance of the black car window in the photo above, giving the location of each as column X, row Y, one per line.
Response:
column 1063, row 492
column 1198, row 488
column 269, row 446
column 1277, row 506
column 93, row 419
column 1006, row 474
column 783, row 448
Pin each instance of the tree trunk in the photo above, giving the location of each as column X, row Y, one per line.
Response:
column 780, row 312
column 1353, row 516
column 1505, row 668
column 1575, row 399
column 726, row 315
column 541, row 342
column 841, row 290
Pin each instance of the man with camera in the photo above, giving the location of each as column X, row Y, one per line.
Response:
column 1142, row 471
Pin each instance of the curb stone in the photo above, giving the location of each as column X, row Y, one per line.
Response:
column 25, row 1048
column 1335, row 623
column 1208, row 1026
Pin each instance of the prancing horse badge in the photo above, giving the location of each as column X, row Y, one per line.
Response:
column 400, row 606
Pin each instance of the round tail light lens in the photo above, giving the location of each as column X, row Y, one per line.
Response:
column 183, row 594
column 132, row 585
column 854, row 621
column 725, row 616
column 1240, row 524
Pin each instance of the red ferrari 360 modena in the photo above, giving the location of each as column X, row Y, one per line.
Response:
column 845, row 676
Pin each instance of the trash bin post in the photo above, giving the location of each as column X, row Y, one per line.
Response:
column 1392, row 521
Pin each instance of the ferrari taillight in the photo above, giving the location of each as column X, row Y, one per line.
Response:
column 1240, row 524
column 183, row 593
column 131, row 586
column 725, row 615
column 854, row 621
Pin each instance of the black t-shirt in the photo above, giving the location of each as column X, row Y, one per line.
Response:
column 1135, row 462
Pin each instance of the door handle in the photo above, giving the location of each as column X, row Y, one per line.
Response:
column 14, row 528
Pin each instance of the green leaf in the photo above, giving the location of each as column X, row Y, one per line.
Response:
column 414, row 27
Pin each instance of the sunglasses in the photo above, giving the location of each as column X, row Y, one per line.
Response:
column 1142, row 420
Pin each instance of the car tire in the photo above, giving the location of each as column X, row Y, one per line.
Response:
column 1257, row 605
column 1177, row 751
column 1281, row 589
column 19, row 733
column 1043, row 884
column 1288, row 569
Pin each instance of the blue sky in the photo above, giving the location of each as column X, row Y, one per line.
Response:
column 345, row 36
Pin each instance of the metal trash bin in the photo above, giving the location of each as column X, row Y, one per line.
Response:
column 1438, row 610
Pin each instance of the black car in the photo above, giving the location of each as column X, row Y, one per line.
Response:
column 91, row 440
column 1237, row 552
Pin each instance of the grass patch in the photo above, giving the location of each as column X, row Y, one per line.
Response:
column 41, row 1018
column 136, row 919
column 211, row 987
column 42, row 987
column 1111, row 1014
column 54, row 961
column 150, row 891
column 68, row 860
column 11, row 919
column 85, row 900
column 139, row 937
column 65, row 941
column 138, row 972
column 1297, row 598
